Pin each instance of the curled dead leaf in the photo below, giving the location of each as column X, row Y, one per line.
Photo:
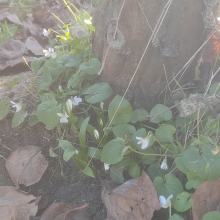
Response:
column 26, row 165
column 206, row 199
column 15, row 204
column 135, row 199
column 64, row 211
column 42, row 199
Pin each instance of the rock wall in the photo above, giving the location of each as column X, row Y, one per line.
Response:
column 179, row 37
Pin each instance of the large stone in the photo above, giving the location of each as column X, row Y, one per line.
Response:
column 179, row 37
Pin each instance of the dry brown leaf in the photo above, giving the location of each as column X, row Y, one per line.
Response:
column 135, row 199
column 64, row 211
column 42, row 199
column 26, row 165
column 15, row 204
column 206, row 198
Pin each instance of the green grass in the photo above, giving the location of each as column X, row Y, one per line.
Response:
column 8, row 31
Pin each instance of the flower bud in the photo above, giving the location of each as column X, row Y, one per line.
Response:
column 96, row 133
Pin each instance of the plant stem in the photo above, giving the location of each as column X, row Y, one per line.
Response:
column 170, row 211
column 147, row 154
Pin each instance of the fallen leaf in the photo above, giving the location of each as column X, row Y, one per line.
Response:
column 64, row 211
column 135, row 199
column 26, row 165
column 42, row 199
column 206, row 198
column 15, row 204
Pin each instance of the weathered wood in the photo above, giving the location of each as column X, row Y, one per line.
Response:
column 179, row 37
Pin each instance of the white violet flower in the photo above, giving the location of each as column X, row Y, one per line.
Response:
column 164, row 166
column 106, row 166
column 144, row 141
column 96, row 134
column 50, row 53
column 88, row 22
column 76, row 100
column 77, row 152
column 45, row 32
column 165, row 203
column 16, row 105
column 63, row 117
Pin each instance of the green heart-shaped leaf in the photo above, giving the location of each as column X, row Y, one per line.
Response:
column 112, row 151
column 124, row 130
column 154, row 170
column 134, row 170
column 182, row 202
column 215, row 215
column 91, row 67
column 74, row 80
column 97, row 93
column 165, row 133
column 204, row 161
column 4, row 109
column 19, row 117
column 124, row 112
column 35, row 64
column 47, row 113
column 69, row 60
column 139, row 115
column 69, row 149
column 159, row 110
column 167, row 186
column 44, row 81
column 116, row 170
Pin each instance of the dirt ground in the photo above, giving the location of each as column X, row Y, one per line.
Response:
column 72, row 189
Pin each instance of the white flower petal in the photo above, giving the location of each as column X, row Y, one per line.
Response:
column 60, row 114
column 139, row 138
column 163, row 201
column 88, row 22
column 69, row 105
column 106, row 166
column 45, row 32
column 13, row 103
column 144, row 145
column 77, row 99
column 170, row 197
column 63, row 120
column 96, row 134
column 164, row 166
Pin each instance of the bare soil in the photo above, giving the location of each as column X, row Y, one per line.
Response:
column 66, row 185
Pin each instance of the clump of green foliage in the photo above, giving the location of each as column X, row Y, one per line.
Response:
column 158, row 142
